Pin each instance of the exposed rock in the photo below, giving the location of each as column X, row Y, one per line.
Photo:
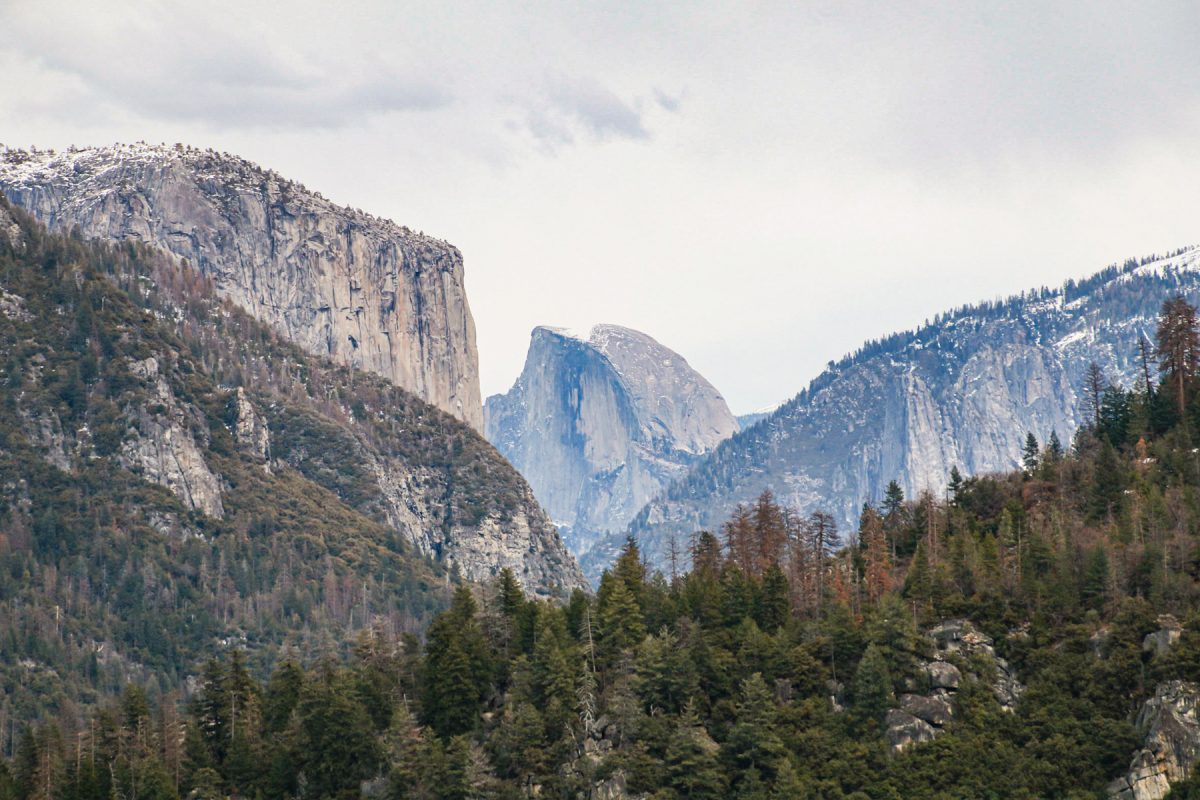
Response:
column 921, row 717
column 250, row 429
column 943, row 675
column 959, row 636
column 904, row 730
column 10, row 231
column 338, row 282
column 160, row 446
column 960, row 391
column 600, row 425
column 410, row 498
column 934, row 710
column 1171, row 731
column 1168, row 633
column 13, row 306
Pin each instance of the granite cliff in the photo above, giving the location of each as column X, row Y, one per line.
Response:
column 963, row 390
column 601, row 424
column 339, row 283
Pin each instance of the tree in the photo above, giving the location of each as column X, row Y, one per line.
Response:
column 877, row 559
column 1094, row 383
column 753, row 743
column 872, row 685
column 457, row 668
column 337, row 742
column 693, row 768
column 618, row 619
column 773, row 600
column 1054, row 448
column 1029, row 457
column 955, row 486
column 1178, row 347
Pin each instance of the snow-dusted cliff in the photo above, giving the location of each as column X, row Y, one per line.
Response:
column 961, row 391
column 601, row 424
column 338, row 282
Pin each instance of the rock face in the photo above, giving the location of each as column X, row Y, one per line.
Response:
column 600, row 425
column 929, row 705
column 1169, row 723
column 961, row 391
column 160, row 444
column 341, row 283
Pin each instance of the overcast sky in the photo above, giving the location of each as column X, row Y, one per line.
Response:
column 759, row 186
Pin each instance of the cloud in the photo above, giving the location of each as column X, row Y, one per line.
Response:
column 569, row 109
column 182, row 67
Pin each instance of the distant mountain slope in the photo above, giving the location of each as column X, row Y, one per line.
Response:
column 336, row 281
column 962, row 391
column 600, row 424
column 172, row 474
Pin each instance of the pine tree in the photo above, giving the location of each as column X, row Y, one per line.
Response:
column 877, row 559
column 1094, row 383
column 772, row 607
column 619, row 625
column 1029, row 457
column 872, row 685
column 955, row 487
column 753, row 743
column 1054, row 448
column 1178, row 347
column 457, row 668
column 693, row 767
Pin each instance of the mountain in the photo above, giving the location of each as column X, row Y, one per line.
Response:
column 173, row 474
column 601, row 424
column 336, row 281
column 960, row 391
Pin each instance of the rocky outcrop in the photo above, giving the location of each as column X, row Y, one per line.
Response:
column 1168, row 633
column 160, row 446
column 1168, row 722
column 600, row 424
column 336, row 281
column 250, row 429
column 962, row 390
column 929, row 706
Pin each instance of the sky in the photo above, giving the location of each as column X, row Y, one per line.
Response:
column 759, row 186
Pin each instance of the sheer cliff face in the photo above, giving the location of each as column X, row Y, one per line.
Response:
column 600, row 425
column 337, row 282
column 962, row 391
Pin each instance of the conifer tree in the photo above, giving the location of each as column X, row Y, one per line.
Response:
column 872, row 685
column 1029, row 456
column 773, row 600
column 619, row 625
column 1178, row 347
column 753, row 742
column 693, row 767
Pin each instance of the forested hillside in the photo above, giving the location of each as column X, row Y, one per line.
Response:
column 999, row 643
column 175, row 479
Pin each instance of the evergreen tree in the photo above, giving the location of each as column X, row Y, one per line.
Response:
column 753, row 742
column 457, row 668
column 693, row 767
column 1029, row 457
column 773, row 600
column 618, row 619
column 1178, row 347
column 872, row 686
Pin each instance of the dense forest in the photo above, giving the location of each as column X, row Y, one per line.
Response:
column 1019, row 605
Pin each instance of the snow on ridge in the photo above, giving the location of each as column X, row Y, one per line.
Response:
column 94, row 171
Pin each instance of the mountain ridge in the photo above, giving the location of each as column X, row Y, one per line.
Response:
column 365, row 291
column 1024, row 380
